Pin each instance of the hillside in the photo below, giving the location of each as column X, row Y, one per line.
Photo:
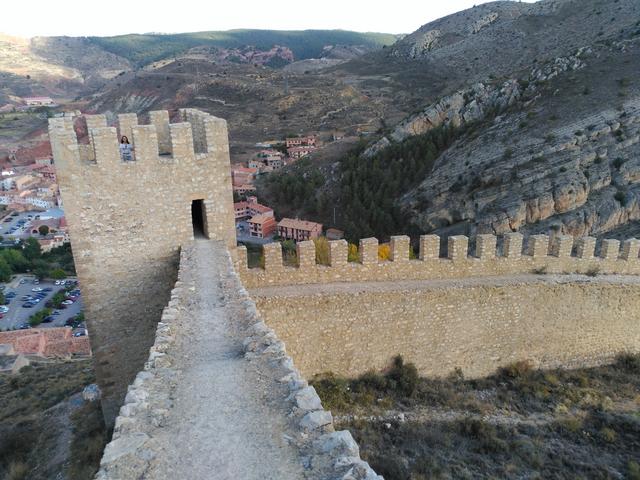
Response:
column 539, row 103
column 144, row 49
column 70, row 67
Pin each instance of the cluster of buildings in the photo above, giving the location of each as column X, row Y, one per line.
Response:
column 261, row 223
column 268, row 160
column 33, row 186
column 256, row 221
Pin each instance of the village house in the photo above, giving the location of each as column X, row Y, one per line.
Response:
column 262, row 226
column 334, row 234
column 267, row 161
column 242, row 175
column 309, row 141
column 244, row 189
column 38, row 101
column 299, row 152
column 298, row 230
column 53, row 241
column 250, row 208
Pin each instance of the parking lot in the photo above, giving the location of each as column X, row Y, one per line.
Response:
column 17, row 226
column 23, row 286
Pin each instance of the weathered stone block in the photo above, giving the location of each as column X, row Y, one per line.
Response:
column 400, row 248
column 513, row 245
column 368, row 251
column 338, row 253
column 486, row 246
column 610, row 249
column 458, row 247
column 539, row 246
column 630, row 249
column 562, row 246
column 586, row 247
column 429, row 247
column 306, row 251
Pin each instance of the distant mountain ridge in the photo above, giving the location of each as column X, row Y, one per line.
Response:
column 142, row 49
column 76, row 66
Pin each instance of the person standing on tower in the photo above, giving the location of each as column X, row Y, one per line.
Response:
column 126, row 149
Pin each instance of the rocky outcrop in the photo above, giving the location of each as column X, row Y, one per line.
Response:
column 425, row 43
column 581, row 179
column 484, row 22
column 474, row 103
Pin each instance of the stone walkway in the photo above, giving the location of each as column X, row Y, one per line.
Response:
column 228, row 421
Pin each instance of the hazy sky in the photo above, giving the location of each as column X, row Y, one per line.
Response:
column 113, row 17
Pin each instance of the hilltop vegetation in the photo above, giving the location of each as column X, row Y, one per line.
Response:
column 518, row 423
column 148, row 48
column 365, row 188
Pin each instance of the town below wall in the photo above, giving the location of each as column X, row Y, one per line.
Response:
column 473, row 324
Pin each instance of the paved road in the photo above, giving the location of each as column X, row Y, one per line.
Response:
column 228, row 421
column 18, row 314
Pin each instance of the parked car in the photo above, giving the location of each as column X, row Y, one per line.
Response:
column 57, row 312
column 48, row 319
column 23, row 281
column 4, row 309
column 67, row 302
column 36, row 289
column 27, row 305
column 24, row 326
column 79, row 334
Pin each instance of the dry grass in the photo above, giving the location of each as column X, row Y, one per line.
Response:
column 518, row 423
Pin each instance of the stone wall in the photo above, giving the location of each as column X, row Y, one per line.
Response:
column 127, row 221
column 150, row 398
column 562, row 254
column 476, row 325
column 554, row 302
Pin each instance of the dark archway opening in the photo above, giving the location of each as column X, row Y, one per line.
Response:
column 198, row 219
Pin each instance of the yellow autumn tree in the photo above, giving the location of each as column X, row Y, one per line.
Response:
column 322, row 250
column 353, row 255
column 384, row 251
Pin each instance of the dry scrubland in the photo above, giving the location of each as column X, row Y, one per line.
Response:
column 46, row 429
column 518, row 423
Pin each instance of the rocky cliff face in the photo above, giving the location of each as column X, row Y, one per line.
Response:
column 562, row 158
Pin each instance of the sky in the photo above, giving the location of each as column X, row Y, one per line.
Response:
column 29, row 18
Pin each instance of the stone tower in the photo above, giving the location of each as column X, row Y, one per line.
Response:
column 128, row 219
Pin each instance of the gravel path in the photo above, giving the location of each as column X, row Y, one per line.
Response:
column 229, row 421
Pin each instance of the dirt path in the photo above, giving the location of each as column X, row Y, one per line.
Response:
column 228, row 421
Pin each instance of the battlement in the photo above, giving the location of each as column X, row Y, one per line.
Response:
column 199, row 136
column 541, row 254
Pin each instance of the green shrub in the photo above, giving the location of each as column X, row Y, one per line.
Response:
column 516, row 370
column 628, row 362
column 403, row 377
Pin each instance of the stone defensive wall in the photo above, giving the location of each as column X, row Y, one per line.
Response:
column 147, row 417
column 128, row 219
column 557, row 304
column 562, row 254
